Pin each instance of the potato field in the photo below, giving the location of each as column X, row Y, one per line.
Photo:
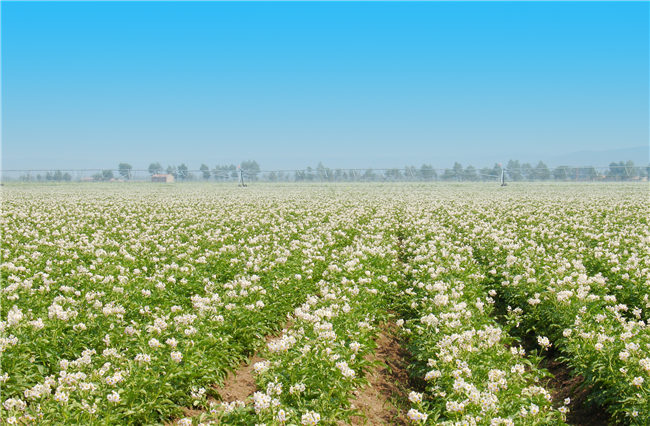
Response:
column 133, row 303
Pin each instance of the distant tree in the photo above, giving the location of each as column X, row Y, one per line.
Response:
column 630, row 170
column 573, row 173
column 427, row 172
column 155, row 168
column 324, row 173
column 589, row 173
column 104, row 175
column 369, row 175
column 458, row 171
column 182, row 172
column 616, row 170
column 67, row 177
column 485, row 174
column 410, row 172
column 527, row 171
column 561, row 173
column 107, row 175
column 321, row 171
column 205, row 171
column 470, row 174
column 219, row 173
column 542, row 171
column 58, row 176
column 309, row 173
column 251, row 169
column 448, row 174
column 125, row 170
column 496, row 170
column 273, row 176
column 171, row 170
column 514, row 170
column 393, row 174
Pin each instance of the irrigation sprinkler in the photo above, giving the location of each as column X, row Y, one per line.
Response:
column 241, row 177
column 503, row 175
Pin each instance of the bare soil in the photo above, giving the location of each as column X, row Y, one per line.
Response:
column 565, row 385
column 382, row 402
column 241, row 384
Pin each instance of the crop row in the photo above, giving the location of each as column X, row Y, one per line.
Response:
column 118, row 311
column 579, row 279
column 473, row 371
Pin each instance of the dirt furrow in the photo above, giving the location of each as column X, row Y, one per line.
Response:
column 383, row 400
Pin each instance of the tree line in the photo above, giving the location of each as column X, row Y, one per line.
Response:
column 250, row 170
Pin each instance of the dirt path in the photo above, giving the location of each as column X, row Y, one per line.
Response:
column 239, row 384
column 565, row 385
column 382, row 401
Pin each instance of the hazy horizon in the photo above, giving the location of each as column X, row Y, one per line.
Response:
column 89, row 85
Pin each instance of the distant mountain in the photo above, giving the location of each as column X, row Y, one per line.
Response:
column 639, row 154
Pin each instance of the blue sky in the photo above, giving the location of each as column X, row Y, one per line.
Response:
column 90, row 84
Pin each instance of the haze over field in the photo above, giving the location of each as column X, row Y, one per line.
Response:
column 92, row 84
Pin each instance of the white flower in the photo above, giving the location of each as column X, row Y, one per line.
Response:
column 143, row 358
column 544, row 342
column 297, row 388
column 154, row 343
column 261, row 366
column 177, row 356
column 637, row 381
column 262, row 401
column 114, row 397
column 345, row 369
column 416, row 416
column 454, row 406
column 518, row 368
column 14, row 316
column 310, row 418
column 415, row 397
column 433, row 374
